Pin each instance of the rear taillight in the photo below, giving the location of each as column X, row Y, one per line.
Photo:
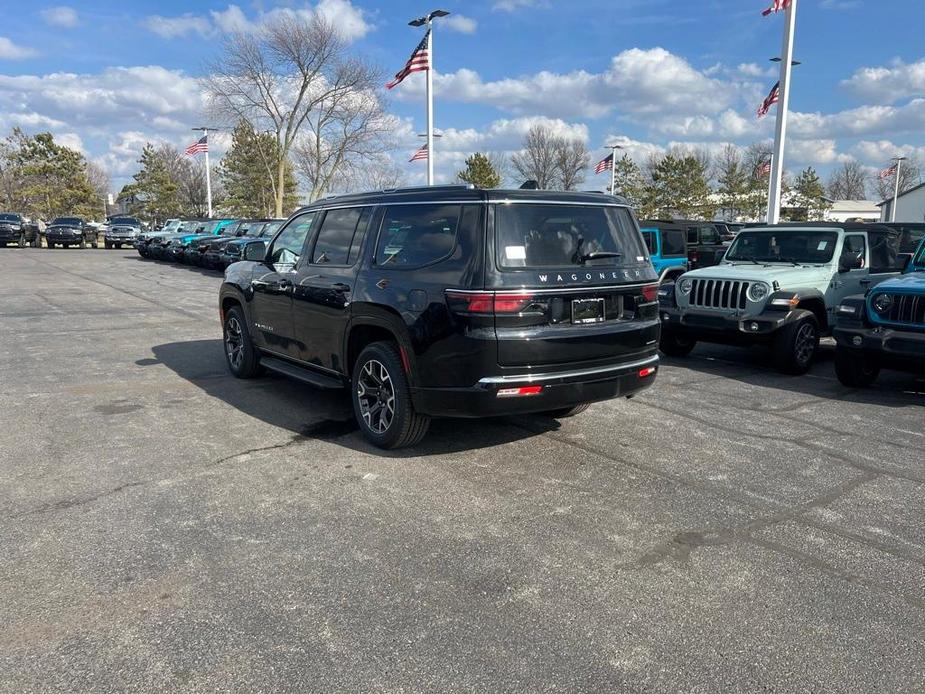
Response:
column 648, row 371
column 650, row 292
column 693, row 256
column 523, row 391
column 488, row 302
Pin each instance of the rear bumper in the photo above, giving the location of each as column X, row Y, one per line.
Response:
column 900, row 349
column 559, row 390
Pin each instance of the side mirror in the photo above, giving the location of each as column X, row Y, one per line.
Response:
column 255, row 251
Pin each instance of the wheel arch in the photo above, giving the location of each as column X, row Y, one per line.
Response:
column 370, row 324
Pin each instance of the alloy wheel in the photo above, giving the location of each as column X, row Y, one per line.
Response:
column 376, row 395
column 234, row 342
column 805, row 343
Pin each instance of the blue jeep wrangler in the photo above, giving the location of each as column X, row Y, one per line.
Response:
column 667, row 244
column 883, row 329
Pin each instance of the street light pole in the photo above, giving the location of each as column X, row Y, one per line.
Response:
column 428, row 21
column 783, row 103
column 899, row 167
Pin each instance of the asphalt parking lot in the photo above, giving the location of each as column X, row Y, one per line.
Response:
column 168, row 528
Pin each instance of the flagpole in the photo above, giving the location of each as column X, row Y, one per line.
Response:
column 205, row 131
column 777, row 163
column 430, row 102
column 613, row 169
column 767, row 219
column 899, row 166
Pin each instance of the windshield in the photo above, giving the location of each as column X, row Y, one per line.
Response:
column 233, row 228
column 10, row 217
column 547, row 236
column 804, row 247
column 128, row 221
column 67, row 220
column 269, row 229
column 919, row 260
column 206, row 227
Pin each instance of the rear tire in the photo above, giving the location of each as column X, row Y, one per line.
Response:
column 566, row 412
column 240, row 354
column 381, row 399
column 675, row 345
column 796, row 345
column 853, row 370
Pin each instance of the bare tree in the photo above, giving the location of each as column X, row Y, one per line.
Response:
column 101, row 182
column 502, row 164
column 379, row 173
column 292, row 74
column 910, row 175
column 572, row 158
column 848, row 182
column 537, row 160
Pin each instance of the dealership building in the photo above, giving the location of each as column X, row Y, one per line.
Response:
column 910, row 207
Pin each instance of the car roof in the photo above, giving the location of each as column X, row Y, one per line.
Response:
column 833, row 226
column 460, row 194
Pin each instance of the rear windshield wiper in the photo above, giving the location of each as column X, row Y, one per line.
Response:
column 598, row 254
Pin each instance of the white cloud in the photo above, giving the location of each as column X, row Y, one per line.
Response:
column 12, row 51
column 460, row 23
column 514, row 5
column 176, row 27
column 61, row 16
column 641, row 83
column 887, row 85
column 839, row 4
column 348, row 20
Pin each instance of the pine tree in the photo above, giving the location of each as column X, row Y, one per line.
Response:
column 54, row 178
column 155, row 193
column 733, row 181
column 480, row 172
column 678, row 186
column 628, row 181
column 809, row 194
column 248, row 174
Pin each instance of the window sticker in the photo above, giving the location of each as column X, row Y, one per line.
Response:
column 822, row 245
column 515, row 252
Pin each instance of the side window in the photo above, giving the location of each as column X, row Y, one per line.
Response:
column 416, row 235
column 673, row 243
column 287, row 247
column 884, row 251
column 855, row 249
column 649, row 238
column 335, row 236
column 692, row 235
column 709, row 235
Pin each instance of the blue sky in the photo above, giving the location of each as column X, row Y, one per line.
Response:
column 106, row 77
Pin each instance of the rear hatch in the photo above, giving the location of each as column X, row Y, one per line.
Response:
column 570, row 284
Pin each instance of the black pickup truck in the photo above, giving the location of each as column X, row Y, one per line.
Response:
column 15, row 229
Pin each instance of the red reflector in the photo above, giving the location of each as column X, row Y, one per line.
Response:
column 648, row 371
column 520, row 392
column 650, row 292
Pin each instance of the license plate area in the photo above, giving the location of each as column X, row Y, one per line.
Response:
column 587, row 311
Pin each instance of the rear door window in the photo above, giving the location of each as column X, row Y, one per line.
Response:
column 884, row 251
column 555, row 236
column 673, row 243
column 649, row 238
column 412, row 236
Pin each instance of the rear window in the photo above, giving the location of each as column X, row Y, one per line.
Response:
column 673, row 243
column 648, row 236
column 556, row 236
column 417, row 235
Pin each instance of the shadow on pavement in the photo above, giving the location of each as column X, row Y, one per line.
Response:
column 752, row 366
column 322, row 414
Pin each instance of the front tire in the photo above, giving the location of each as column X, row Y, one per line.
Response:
column 796, row 345
column 243, row 360
column 853, row 369
column 674, row 344
column 108, row 244
column 382, row 399
column 22, row 240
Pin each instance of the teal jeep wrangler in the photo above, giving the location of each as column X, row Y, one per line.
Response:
column 777, row 286
column 884, row 328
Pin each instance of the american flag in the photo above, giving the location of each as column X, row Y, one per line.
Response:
column 199, row 146
column 769, row 101
column 778, row 6
column 420, row 154
column 763, row 170
column 886, row 173
column 605, row 164
column 418, row 62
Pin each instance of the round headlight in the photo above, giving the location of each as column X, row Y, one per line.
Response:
column 882, row 303
column 685, row 286
column 757, row 292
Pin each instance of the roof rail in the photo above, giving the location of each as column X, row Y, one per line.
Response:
column 413, row 189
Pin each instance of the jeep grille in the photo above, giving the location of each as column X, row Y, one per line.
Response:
column 908, row 309
column 719, row 294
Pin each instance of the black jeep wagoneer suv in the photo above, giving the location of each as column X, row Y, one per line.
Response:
column 449, row 301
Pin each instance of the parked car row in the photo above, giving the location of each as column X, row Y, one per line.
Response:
column 210, row 243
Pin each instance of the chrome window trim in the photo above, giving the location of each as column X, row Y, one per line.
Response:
column 586, row 288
